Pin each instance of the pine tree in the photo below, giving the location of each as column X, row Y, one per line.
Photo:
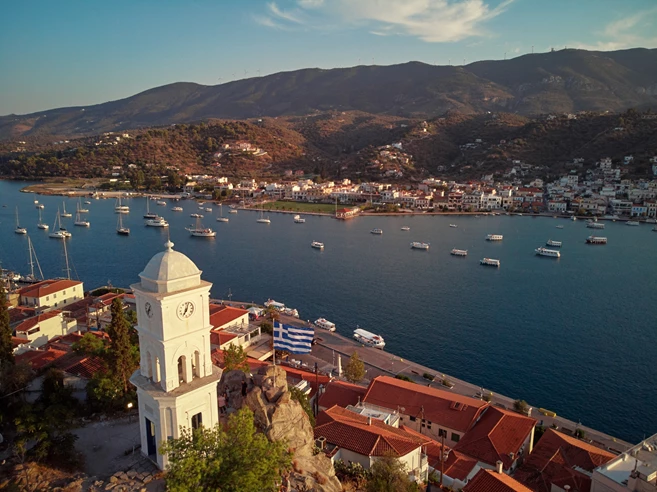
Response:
column 6, row 348
column 354, row 371
column 122, row 355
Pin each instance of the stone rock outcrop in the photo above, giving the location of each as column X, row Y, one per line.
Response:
column 280, row 417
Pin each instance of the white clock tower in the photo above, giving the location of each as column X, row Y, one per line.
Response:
column 176, row 382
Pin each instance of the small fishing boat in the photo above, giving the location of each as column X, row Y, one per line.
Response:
column 317, row 245
column 376, row 231
column 405, row 228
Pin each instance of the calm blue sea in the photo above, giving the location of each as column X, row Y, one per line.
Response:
column 576, row 335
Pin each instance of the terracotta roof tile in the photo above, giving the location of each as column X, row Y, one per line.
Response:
column 38, row 359
column 554, row 459
column 225, row 315
column 19, row 313
column 30, row 323
column 440, row 406
column 341, row 394
column 47, row 287
column 352, row 431
column 490, row 481
column 81, row 366
column 459, row 465
column 496, row 435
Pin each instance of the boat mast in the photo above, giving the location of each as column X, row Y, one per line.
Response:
column 36, row 258
column 68, row 269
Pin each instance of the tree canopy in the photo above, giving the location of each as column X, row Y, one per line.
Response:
column 123, row 356
column 237, row 459
column 6, row 348
column 388, row 474
column 235, row 358
column 354, row 371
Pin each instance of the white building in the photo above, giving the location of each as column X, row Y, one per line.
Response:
column 633, row 471
column 40, row 329
column 176, row 382
column 51, row 293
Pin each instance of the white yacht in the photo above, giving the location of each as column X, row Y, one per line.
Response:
column 176, row 209
column 80, row 209
column 324, row 324
column 221, row 217
column 149, row 214
column 208, row 209
column 120, row 208
column 594, row 224
column 19, row 229
column 494, row 237
column 552, row 253
column 459, row 252
column 263, row 220
column 317, row 245
column 453, row 225
column 58, row 231
column 574, row 218
column 559, row 227
column 298, row 219
column 419, row 245
column 370, row 339
column 632, row 223
column 200, row 231
column 405, row 228
column 120, row 229
column 64, row 212
column 596, row 240
column 162, row 203
column 232, row 211
column 376, row 231
column 79, row 222
column 157, row 222
column 41, row 224
column 198, row 216
column 554, row 244
column 490, row 262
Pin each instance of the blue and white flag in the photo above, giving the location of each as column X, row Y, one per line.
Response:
column 293, row 339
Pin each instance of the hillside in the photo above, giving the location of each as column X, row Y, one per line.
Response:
column 557, row 82
column 351, row 145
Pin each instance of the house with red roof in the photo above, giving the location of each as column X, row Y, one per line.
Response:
column 499, row 436
column 433, row 412
column 50, row 294
column 222, row 317
column 494, row 481
column 355, row 438
column 342, row 394
column 39, row 329
column 560, row 460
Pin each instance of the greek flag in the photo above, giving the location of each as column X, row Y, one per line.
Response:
column 293, row 339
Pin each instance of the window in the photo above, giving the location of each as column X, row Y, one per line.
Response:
column 47, row 298
column 455, row 437
column 442, row 433
column 412, row 419
column 197, row 421
column 64, row 292
column 54, row 296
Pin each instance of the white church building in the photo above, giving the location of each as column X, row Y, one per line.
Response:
column 176, row 381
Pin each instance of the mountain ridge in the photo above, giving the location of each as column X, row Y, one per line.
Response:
column 556, row 82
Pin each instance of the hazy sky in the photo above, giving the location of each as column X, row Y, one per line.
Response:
column 81, row 52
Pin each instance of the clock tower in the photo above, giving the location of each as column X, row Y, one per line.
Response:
column 176, row 382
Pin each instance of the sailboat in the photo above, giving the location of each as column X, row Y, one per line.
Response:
column 221, row 217
column 121, row 209
column 149, row 214
column 58, row 231
column 200, row 231
column 262, row 219
column 80, row 209
column 79, row 222
column 41, row 225
column 65, row 213
column 122, row 231
column 19, row 229
column 32, row 278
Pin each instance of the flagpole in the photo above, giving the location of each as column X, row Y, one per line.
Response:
column 273, row 346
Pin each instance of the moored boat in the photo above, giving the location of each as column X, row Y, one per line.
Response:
column 559, row 227
column 490, row 262
column 198, row 216
column 376, row 231
column 632, row 223
column 405, row 228
column 453, row 225
column 162, row 203
column 596, row 240
column 120, row 229
column 119, row 208
column 80, row 222
column 419, row 245
column 370, row 339
column 149, row 214
column 317, row 245
column 199, row 231
column 263, row 220
column 298, row 219
column 19, row 229
column 64, row 212
column 554, row 244
column 591, row 224
column 494, row 237
column 551, row 253
column 324, row 324
column 176, row 209
column 459, row 252
column 157, row 222
column 232, row 211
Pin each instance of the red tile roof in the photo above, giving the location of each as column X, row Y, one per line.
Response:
column 490, row 481
column 47, row 287
column 496, row 435
column 440, row 406
column 81, row 366
column 341, row 394
column 38, row 359
column 19, row 313
column 352, row 431
column 64, row 342
column 30, row 323
column 223, row 337
column 554, row 461
column 15, row 341
column 459, row 465
column 225, row 315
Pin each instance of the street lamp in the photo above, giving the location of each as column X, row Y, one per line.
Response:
column 129, row 407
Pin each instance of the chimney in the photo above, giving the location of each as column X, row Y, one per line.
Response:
column 369, row 420
column 500, row 467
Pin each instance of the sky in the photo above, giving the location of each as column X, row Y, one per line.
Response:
column 81, row 52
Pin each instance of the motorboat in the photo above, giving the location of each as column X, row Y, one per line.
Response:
column 324, row 324
column 317, row 245
column 459, row 252
column 79, row 222
column 596, row 240
column 453, row 225
column 419, row 245
column 632, row 223
column 370, row 339
column 594, row 224
column 559, row 227
column 232, row 211
column 120, row 229
column 298, row 219
column 198, row 216
column 551, row 253
column 157, row 222
column 490, row 262
column 494, row 237
column 554, row 244
column 376, row 231
column 64, row 212
column 19, row 229
column 162, row 203
column 405, row 228
column 208, row 209
column 176, row 209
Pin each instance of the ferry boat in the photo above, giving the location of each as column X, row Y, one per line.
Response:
column 79, row 222
column 64, row 212
column 376, row 231
column 459, row 252
column 405, row 228
column 120, row 230
column 298, row 219
column 490, row 262
column 596, row 240
column 317, row 245
column 418, row 245
column 548, row 252
column 554, row 244
column 494, row 237
column 370, row 339
column 632, row 223
column 594, row 225
column 176, row 209
column 157, row 222
column 324, row 324
column 19, row 229
column 453, row 225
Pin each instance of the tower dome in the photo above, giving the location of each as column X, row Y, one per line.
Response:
column 170, row 271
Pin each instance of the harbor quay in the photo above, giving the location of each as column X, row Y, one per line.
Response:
column 329, row 346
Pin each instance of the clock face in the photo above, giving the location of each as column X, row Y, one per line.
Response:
column 186, row 309
column 149, row 309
